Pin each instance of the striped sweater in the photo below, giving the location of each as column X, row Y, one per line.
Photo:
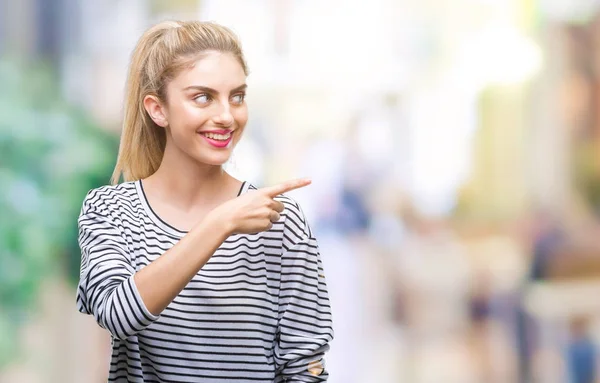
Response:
column 258, row 311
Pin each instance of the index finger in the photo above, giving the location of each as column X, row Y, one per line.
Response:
column 285, row 187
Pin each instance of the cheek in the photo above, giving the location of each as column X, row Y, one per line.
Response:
column 187, row 117
column 241, row 116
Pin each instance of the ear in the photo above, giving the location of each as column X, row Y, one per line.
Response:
column 156, row 110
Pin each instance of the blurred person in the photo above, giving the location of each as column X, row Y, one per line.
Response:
column 581, row 353
column 353, row 217
column 487, row 332
column 196, row 274
column 387, row 233
column 433, row 268
column 547, row 235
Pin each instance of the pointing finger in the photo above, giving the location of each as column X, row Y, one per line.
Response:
column 273, row 191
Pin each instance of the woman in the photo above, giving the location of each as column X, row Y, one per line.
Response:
column 197, row 275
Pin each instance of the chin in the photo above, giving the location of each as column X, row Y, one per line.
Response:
column 216, row 160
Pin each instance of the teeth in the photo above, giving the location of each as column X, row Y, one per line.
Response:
column 220, row 137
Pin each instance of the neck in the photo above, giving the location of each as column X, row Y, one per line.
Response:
column 186, row 182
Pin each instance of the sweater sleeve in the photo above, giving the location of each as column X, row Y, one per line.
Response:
column 106, row 287
column 305, row 322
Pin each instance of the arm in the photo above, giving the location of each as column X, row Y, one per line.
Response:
column 305, row 323
column 121, row 300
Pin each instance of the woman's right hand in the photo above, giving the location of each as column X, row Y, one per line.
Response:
column 255, row 210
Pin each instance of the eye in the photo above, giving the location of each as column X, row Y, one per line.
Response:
column 238, row 99
column 203, row 98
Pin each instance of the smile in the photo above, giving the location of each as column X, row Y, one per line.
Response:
column 217, row 140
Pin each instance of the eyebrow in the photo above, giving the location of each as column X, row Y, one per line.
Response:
column 214, row 91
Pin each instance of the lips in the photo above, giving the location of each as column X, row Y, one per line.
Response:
column 218, row 138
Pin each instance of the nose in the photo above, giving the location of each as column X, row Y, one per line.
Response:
column 223, row 117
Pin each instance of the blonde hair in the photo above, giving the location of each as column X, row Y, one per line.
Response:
column 162, row 51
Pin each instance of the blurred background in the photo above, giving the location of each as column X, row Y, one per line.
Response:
column 454, row 148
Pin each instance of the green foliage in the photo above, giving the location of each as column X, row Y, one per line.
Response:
column 51, row 154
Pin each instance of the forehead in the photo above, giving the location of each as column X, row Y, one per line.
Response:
column 216, row 70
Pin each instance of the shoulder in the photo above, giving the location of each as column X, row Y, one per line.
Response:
column 107, row 198
column 295, row 219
